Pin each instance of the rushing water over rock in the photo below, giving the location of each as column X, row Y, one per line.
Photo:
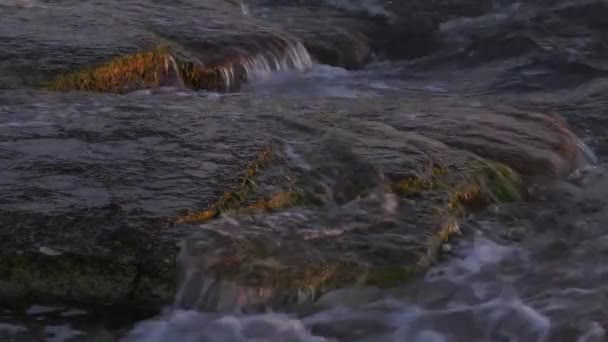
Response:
column 483, row 294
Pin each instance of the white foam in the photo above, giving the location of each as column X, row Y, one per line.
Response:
column 500, row 317
column 189, row 326
column 60, row 333
column 484, row 322
column 244, row 8
column 12, row 328
column 483, row 253
column 294, row 57
column 587, row 153
column 39, row 309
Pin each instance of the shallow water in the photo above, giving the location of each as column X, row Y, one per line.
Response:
column 531, row 271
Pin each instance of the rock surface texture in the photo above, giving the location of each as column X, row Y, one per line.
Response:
column 268, row 200
column 368, row 196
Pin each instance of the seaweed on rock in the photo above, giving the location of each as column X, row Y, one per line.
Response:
column 151, row 69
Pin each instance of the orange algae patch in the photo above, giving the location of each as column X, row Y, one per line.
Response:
column 413, row 184
column 120, row 75
column 226, row 76
column 255, row 262
column 148, row 69
column 232, row 199
column 279, row 200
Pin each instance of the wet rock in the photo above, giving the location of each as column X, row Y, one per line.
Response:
column 461, row 130
column 330, row 36
column 76, row 197
column 143, row 47
column 445, row 9
column 590, row 13
column 285, row 218
column 71, row 277
column 213, row 46
column 410, row 37
column 415, row 24
column 294, row 255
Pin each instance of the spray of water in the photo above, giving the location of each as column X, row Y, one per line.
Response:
column 354, row 318
column 292, row 57
column 244, row 7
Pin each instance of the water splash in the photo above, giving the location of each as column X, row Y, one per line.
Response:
column 244, row 7
column 369, row 314
column 281, row 57
column 293, row 57
column 586, row 153
column 199, row 289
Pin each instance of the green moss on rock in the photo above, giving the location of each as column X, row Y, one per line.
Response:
column 500, row 182
column 81, row 278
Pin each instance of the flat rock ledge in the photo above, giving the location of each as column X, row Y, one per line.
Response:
column 316, row 197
